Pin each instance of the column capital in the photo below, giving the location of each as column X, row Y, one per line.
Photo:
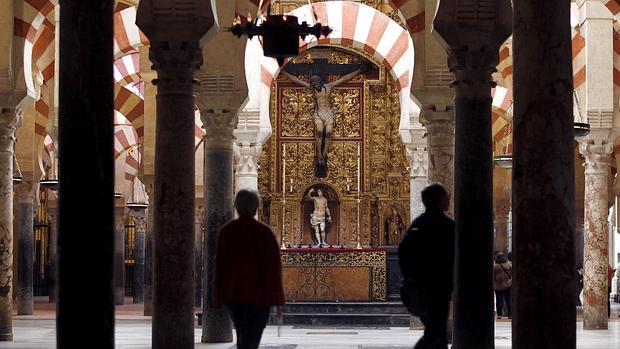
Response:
column 246, row 157
column 175, row 64
column 10, row 119
column 597, row 151
column 418, row 161
column 219, row 125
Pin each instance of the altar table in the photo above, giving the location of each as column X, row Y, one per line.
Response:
column 334, row 274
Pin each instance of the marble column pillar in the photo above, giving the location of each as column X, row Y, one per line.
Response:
column 119, row 250
column 543, row 181
column 440, row 138
column 174, row 238
column 199, row 230
column 85, row 274
column 52, row 216
column 139, row 218
column 218, row 172
column 595, row 264
column 9, row 119
column 501, row 212
column 148, row 248
column 246, row 166
column 26, row 196
column 418, row 165
column 472, row 35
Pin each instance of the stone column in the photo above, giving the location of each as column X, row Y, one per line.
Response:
column 119, row 250
column 52, row 216
column 86, row 127
column 26, row 196
column 218, row 166
column 543, row 184
column 174, row 30
column 199, row 230
column 595, row 264
column 472, row 35
column 148, row 248
column 173, row 241
column 139, row 218
column 440, row 151
column 246, row 166
column 9, row 120
column 417, row 155
column 501, row 211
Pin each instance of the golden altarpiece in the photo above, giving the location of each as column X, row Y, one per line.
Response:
column 365, row 146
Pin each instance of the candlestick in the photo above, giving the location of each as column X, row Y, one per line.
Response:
column 358, row 244
column 283, row 239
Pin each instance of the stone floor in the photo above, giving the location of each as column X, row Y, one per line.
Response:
column 133, row 331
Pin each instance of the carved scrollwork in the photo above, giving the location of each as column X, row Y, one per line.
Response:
column 297, row 113
column 348, row 116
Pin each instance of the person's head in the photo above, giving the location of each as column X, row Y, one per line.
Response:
column 316, row 82
column 246, row 203
column 319, row 192
column 500, row 258
column 394, row 210
column 435, row 196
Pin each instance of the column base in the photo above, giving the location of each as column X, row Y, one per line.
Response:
column 6, row 337
column 216, row 339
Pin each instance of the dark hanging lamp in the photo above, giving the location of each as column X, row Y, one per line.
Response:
column 280, row 33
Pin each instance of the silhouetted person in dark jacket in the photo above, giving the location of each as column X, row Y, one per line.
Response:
column 426, row 258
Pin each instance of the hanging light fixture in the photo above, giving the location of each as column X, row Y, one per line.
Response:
column 580, row 128
column 280, row 33
column 505, row 160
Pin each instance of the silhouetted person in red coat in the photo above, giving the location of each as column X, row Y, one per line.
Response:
column 248, row 272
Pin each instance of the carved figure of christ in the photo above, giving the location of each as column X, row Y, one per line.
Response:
column 325, row 113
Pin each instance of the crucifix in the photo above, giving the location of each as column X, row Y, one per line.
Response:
column 325, row 112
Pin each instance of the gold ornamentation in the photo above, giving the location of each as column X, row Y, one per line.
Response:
column 303, row 58
column 348, row 115
column 342, row 57
column 297, row 113
column 375, row 260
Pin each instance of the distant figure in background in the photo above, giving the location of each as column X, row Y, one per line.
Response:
column 426, row 259
column 610, row 275
column 502, row 277
column 393, row 227
column 248, row 272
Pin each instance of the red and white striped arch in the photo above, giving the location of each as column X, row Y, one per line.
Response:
column 127, row 36
column 356, row 26
column 127, row 69
column 126, row 153
column 502, row 117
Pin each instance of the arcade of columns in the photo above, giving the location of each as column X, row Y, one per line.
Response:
column 542, row 188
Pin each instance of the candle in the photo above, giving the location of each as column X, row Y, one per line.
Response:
column 283, row 169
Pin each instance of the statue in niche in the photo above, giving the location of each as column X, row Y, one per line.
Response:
column 393, row 227
column 325, row 112
column 320, row 216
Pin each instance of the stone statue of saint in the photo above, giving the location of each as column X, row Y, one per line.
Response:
column 320, row 216
column 325, row 113
column 393, row 228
